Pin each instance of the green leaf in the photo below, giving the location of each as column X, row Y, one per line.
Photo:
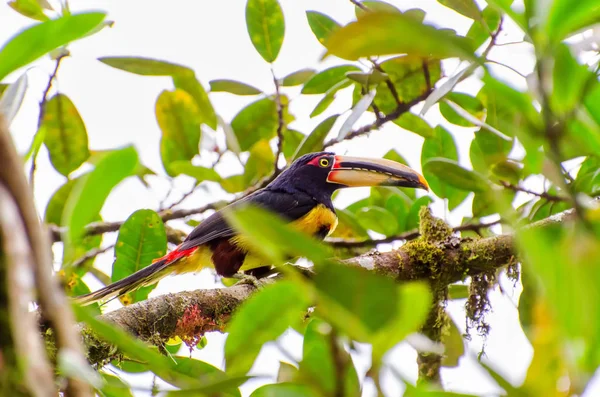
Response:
column 321, row 25
column 318, row 366
column 467, row 8
column 12, row 99
column 378, row 219
column 458, row 291
column 481, row 29
column 328, row 98
column 324, row 80
column 568, row 16
column 508, row 170
column 90, row 192
column 469, row 103
column 455, row 175
column 567, row 93
column 234, row 183
column 299, row 77
column 233, row 87
column 380, row 33
column 284, row 389
column 454, row 347
column 262, row 318
column 114, row 387
column 142, row 238
column 189, row 83
column 36, row 41
column 200, row 369
column 65, row 137
column 260, row 163
column 179, row 120
column 413, row 123
column 29, row 8
column 197, row 172
column 355, row 300
column 291, row 141
column 256, row 121
column 314, row 141
column 56, row 204
column 442, row 145
column 357, row 111
column 374, row 6
column 266, row 27
column 412, row 218
column 145, row 66
column 488, row 149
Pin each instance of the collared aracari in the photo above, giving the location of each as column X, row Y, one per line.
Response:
column 301, row 194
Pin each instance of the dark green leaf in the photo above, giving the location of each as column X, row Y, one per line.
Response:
column 142, row 239
column 190, row 84
column 197, row 172
column 266, row 27
column 284, row 389
column 467, row 8
column 299, row 77
column 456, row 176
column 324, row 80
column 32, row 43
column 262, row 318
column 314, row 141
column 65, row 136
column 256, row 121
column 378, row 219
column 90, row 192
column 413, row 123
column 179, row 120
column 145, row 66
column 233, row 87
column 469, row 103
column 321, row 25
column 508, row 170
column 381, row 33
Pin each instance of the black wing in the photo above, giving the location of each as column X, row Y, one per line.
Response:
column 290, row 206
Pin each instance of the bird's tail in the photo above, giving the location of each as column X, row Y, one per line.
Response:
column 146, row 276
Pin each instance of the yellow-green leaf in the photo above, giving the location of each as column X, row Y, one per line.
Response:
column 299, row 77
column 145, row 66
column 29, row 8
column 455, row 175
column 324, row 80
column 321, row 25
column 266, row 27
column 314, row 141
column 233, row 87
column 258, row 120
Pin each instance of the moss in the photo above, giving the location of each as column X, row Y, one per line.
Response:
column 433, row 229
column 478, row 302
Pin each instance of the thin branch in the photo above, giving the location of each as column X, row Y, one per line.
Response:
column 91, row 254
column 360, row 5
column 506, row 66
column 407, row 236
column 545, row 195
column 42, row 112
column 280, row 124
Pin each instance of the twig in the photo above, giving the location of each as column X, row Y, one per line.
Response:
column 399, row 111
column 506, row 66
column 544, row 195
column 409, row 235
column 90, row 255
column 280, row 124
column 360, row 5
column 42, row 112
column 388, row 83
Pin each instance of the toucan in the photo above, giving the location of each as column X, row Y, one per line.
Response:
column 301, row 194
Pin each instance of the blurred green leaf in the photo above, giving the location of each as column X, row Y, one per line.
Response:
column 90, row 192
column 291, row 141
column 488, row 149
column 287, row 372
column 413, row 305
column 455, row 175
column 458, row 291
column 412, row 218
column 454, row 347
column 348, row 226
column 467, row 8
column 567, row 93
column 233, row 87
column 56, row 204
column 256, row 121
column 481, row 29
column 568, row 16
column 145, row 66
column 234, row 183
column 142, row 239
column 266, row 27
column 592, row 102
column 588, row 177
column 378, row 219
column 469, row 103
column 189, row 83
column 297, row 78
column 179, row 120
column 29, row 8
column 508, row 170
column 197, row 172
column 383, row 33
column 324, row 80
column 355, row 300
column 36, row 41
column 374, row 6
column 321, row 25
column 373, row 77
column 260, row 319
column 284, row 389
column 314, row 141
column 442, row 145
column 260, row 163
column 114, row 387
column 65, row 135
column 506, row 7
column 200, row 369
column 413, row 123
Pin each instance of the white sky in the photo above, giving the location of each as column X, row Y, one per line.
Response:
column 211, row 38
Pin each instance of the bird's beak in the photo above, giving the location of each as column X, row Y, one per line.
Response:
column 360, row 171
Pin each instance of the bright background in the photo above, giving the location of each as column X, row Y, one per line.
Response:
column 211, row 38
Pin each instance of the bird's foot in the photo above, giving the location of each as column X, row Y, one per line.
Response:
column 248, row 279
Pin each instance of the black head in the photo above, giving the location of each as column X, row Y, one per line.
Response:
column 320, row 174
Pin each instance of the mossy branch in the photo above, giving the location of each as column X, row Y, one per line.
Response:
column 439, row 257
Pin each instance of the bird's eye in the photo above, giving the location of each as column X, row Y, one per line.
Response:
column 324, row 162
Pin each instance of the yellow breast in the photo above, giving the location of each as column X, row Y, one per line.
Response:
column 318, row 218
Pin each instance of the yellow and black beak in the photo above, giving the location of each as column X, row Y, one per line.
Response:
column 361, row 171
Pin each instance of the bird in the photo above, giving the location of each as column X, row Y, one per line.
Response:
column 301, row 194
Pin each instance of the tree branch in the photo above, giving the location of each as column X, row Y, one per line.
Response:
column 190, row 314
column 280, row 125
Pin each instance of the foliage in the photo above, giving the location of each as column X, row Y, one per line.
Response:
column 546, row 136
